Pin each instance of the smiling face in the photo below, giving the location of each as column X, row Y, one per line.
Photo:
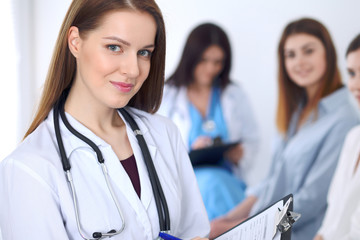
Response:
column 113, row 61
column 353, row 68
column 210, row 66
column 305, row 61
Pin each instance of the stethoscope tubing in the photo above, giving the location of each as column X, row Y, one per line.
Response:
column 160, row 200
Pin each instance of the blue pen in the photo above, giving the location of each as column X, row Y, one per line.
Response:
column 166, row 236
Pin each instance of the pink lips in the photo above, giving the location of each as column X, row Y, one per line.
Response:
column 123, row 87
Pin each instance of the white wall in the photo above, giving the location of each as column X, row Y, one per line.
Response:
column 24, row 62
column 254, row 28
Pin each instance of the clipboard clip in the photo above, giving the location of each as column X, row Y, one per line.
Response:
column 285, row 218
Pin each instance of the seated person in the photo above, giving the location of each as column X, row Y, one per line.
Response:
column 314, row 115
column 342, row 218
column 202, row 101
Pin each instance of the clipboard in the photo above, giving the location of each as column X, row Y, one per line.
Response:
column 281, row 221
column 210, row 155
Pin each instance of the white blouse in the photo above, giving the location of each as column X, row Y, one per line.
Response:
column 342, row 219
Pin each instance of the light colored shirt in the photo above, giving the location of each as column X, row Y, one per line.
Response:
column 342, row 218
column 36, row 202
column 238, row 115
column 305, row 160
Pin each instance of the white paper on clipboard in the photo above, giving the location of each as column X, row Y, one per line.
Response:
column 260, row 227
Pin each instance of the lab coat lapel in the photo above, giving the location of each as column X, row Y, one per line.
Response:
column 146, row 188
column 143, row 173
column 180, row 114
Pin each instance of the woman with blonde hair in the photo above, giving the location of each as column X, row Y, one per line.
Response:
column 313, row 117
column 96, row 162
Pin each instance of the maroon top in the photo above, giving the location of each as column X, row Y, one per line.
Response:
column 130, row 167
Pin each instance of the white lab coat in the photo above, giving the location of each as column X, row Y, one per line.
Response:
column 238, row 115
column 35, row 200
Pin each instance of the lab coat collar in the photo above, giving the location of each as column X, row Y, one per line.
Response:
column 121, row 181
column 141, row 205
column 72, row 143
column 146, row 189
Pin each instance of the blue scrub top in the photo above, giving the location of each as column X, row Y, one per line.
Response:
column 214, row 117
column 220, row 189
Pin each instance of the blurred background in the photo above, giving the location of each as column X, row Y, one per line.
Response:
column 29, row 30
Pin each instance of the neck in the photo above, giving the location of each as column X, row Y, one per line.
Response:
column 200, row 88
column 98, row 118
column 311, row 92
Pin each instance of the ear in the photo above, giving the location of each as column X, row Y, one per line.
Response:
column 74, row 41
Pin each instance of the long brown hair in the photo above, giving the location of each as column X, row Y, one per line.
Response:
column 290, row 94
column 200, row 39
column 86, row 15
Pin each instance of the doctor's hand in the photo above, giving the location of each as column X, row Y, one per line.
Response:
column 235, row 154
column 318, row 237
column 199, row 238
column 221, row 225
column 202, row 142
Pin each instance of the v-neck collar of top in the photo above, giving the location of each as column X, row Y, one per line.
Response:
column 213, row 99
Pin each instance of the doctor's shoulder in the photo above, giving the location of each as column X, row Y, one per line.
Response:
column 36, row 154
column 235, row 90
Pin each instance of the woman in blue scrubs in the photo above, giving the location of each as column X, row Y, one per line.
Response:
column 200, row 98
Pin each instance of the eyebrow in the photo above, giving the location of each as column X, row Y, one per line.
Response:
column 309, row 44
column 125, row 42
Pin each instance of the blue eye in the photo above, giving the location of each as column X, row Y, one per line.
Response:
column 114, row 48
column 145, row 53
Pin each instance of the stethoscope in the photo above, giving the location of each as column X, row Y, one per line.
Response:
column 160, row 200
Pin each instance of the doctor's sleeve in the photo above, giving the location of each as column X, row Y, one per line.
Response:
column 311, row 199
column 194, row 219
column 29, row 207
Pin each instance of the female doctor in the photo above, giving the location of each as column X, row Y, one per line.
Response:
column 95, row 162
column 200, row 98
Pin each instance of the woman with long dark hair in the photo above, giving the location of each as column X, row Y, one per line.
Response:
column 206, row 105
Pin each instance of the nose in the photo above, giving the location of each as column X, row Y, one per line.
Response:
column 357, row 81
column 130, row 66
column 211, row 66
column 299, row 59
